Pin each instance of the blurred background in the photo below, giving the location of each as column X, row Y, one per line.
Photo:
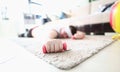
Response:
column 18, row 16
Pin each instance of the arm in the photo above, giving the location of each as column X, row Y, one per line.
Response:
column 44, row 32
column 48, row 40
column 53, row 34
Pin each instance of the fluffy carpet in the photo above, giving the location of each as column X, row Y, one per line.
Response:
column 80, row 50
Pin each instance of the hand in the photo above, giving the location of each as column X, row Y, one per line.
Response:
column 78, row 35
column 54, row 46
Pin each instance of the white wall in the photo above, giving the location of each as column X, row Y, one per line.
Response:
column 14, row 12
column 56, row 6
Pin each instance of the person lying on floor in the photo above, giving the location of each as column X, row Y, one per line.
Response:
column 54, row 33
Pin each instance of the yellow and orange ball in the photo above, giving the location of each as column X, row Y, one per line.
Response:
column 115, row 19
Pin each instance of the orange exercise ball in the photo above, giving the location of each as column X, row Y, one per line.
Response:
column 115, row 17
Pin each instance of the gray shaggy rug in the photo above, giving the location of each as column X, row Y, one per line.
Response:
column 80, row 50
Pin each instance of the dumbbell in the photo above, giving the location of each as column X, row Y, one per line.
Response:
column 45, row 51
